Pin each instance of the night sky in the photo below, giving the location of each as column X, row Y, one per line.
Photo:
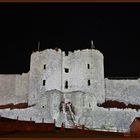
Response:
column 114, row 28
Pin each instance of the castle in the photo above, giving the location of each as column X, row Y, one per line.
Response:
column 68, row 88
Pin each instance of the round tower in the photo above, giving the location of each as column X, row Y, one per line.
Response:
column 45, row 73
column 83, row 70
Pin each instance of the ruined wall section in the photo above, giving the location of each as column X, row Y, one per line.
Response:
column 13, row 88
column 86, row 73
column 7, row 88
column 127, row 91
column 45, row 73
column 22, row 87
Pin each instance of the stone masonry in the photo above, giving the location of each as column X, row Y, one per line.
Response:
column 68, row 88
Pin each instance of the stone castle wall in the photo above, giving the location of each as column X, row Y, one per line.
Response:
column 7, row 88
column 98, row 119
column 13, row 88
column 50, row 66
column 45, row 86
column 127, row 91
column 22, row 86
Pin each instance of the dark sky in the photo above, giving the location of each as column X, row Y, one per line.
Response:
column 114, row 28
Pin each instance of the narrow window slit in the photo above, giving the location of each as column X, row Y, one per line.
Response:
column 66, row 84
column 88, row 82
column 44, row 66
column 44, row 82
column 88, row 66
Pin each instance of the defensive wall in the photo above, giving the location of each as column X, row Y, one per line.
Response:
column 14, row 88
column 126, row 91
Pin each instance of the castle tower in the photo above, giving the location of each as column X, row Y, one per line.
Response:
column 45, row 73
column 81, row 70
